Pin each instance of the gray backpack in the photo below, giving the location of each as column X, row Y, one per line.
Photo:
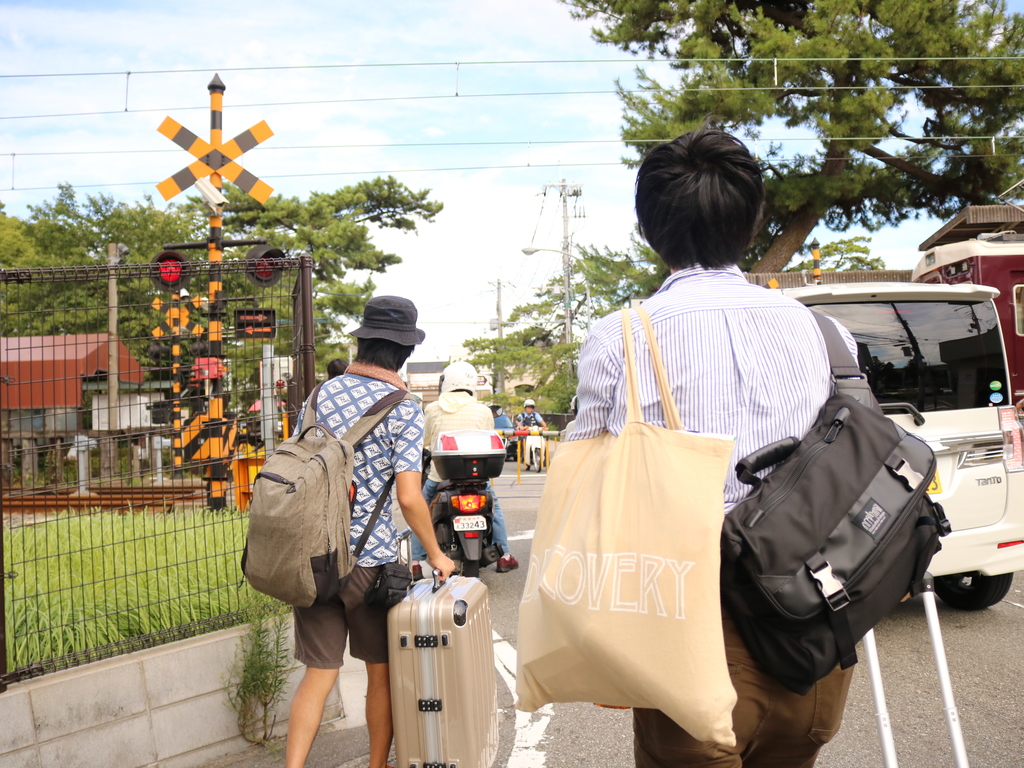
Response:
column 297, row 545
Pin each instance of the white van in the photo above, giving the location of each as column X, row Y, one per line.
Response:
column 935, row 359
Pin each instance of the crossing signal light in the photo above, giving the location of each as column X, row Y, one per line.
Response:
column 263, row 265
column 170, row 271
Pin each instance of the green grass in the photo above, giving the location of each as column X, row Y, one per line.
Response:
column 85, row 581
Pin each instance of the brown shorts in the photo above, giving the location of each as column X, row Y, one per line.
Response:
column 321, row 630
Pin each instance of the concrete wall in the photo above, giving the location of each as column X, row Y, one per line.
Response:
column 166, row 707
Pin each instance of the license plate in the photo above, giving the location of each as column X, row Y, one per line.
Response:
column 470, row 523
column 935, row 486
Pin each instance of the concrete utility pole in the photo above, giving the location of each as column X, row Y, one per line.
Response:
column 113, row 361
column 565, row 191
column 501, row 335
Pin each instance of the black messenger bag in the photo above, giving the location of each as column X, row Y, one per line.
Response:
column 834, row 537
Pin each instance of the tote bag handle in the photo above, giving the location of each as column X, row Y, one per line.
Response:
column 668, row 404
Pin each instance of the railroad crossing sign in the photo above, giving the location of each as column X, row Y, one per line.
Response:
column 177, row 322
column 219, row 158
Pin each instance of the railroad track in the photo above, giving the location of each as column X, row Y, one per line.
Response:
column 107, row 497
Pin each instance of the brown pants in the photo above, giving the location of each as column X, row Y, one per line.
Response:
column 775, row 728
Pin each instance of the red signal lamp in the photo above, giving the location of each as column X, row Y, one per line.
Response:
column 170, row 271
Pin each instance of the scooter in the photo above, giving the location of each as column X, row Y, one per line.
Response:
column 462, row 511
column 463, row 518
column 533, row 450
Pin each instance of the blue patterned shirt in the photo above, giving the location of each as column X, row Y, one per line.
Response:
column 741, row 361
column 396, row 445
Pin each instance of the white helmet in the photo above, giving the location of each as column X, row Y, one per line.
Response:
column 459, row 376
column 529, row 402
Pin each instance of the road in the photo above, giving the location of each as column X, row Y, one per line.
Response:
column 985, row 650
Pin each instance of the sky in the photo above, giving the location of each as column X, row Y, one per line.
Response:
column 482, row 102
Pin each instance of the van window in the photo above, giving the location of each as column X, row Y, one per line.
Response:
column 1018, row 308
column 935, row 355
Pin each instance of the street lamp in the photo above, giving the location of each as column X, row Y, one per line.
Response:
column 567, row 273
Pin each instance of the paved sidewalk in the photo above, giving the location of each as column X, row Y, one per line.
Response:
column 333, row 748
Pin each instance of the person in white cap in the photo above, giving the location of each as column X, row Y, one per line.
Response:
column 458, row 408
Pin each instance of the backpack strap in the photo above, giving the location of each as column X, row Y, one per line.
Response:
column 848, row 377
column 373, row 518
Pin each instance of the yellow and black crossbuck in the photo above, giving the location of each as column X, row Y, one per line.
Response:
column 215, row 159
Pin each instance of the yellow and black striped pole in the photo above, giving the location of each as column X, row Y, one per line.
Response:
column 178, row 453
column 216, row 494
column 816, row 257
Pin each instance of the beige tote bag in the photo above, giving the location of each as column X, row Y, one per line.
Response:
column 621, row 603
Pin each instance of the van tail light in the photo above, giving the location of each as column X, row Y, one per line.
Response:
column 1006, row 544
column 472, row 502
column 1013, row 449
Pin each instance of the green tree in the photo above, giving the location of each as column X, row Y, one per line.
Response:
column 902, row 97
column 72, row 232
column 613, row 278
column 535, row 348
column 335, row 229
column 841, row 256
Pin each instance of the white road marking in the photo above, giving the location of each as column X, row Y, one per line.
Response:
column 523, row 536
column 1013, row 603
column 530, row 726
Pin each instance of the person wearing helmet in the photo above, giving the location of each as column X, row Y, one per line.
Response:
column 458, row 408
column 529, row 418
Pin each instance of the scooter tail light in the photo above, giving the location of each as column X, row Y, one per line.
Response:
column 1005, row 544
column 1013, row 440
column 472, row 502
column 497, row 443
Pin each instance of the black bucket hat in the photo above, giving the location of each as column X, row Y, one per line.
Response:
column 392, row 318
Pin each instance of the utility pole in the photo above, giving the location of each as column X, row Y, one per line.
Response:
column 113, row 361
column 108, row 445
column 501, row 335
column 565, row 191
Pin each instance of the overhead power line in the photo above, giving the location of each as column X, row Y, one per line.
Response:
column 518, row 166
column 531, row 94
column 504, row 62
column 518, row 143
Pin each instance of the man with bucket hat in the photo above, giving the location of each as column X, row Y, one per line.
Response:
column 392, row 452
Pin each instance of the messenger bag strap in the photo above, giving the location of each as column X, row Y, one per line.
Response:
column 836, row 603
column 839, row 358
column 849, row 378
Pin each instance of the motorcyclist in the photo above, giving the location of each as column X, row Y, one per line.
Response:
column 530, row 418
column 458, row 408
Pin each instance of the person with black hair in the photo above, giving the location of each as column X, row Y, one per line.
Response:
column 393, row 452
column 741, row 361
column 336, row 367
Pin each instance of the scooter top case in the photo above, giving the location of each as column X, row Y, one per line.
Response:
column 443, row 692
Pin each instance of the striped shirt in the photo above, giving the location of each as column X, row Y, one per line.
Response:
column 741, row 361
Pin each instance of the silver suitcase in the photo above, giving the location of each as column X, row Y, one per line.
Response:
column 956, row 736
column 443, row 690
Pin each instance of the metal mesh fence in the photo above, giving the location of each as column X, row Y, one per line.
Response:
column 130, row 435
